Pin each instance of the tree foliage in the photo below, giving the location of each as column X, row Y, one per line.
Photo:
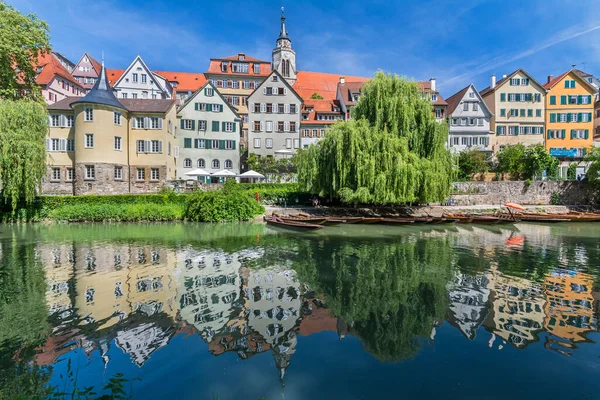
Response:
column 393, row 152
column 472, row 162
column 23, row 129
column 316, row 96
column 526, row 162
column 23, row 38
column 593, row 172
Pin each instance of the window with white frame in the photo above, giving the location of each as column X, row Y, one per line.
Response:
column 562, row 117
column 246, row 84
column 144, row 78
column 216, row 107
column 269, row 126
column 201, row 125
column 88, row 114
column 69, row 120
column 288, row 143
column 216, row 164
column 154, row 174
column 228, row 126
column 154, row 123
column 513, row 130
column 434, row 97
column 292, row 109
column 554, row 134
column 256, row 68
column 292, row 126
column 229, row 144
column 215, row 144
column 56, row 174
column 156, row 146
column 55, row 120
column 134, row 78
column 578, row 133
column 70, row 145
column 454, row 121
column 466, row 106
column 228, row 164
column 187, row 163
column 585, row 117
column 269, row 143
column 296, row 143
column 140, row 174
column 475, row 107
column 70, row 174
column 139, row 122
column 90, row 172
column 224, row 65
column 201, row 163
column 118, row 143
column 118, row 173
column 89, row 140
column 117, row 118
column 257, row 143
column 514, row 112
column 187, row 124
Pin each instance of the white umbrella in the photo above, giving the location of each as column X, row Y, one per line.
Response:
column 251, row 174
column 198, row 172
column 224, row 172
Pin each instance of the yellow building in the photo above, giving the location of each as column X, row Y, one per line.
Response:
column 569, row 126
column 100, row 145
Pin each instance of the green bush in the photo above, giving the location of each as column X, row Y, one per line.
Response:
column 277, row 193
column 117, row 212
column 231, row 204
column 472, row 162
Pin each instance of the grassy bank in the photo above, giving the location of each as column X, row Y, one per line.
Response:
column 235, row 202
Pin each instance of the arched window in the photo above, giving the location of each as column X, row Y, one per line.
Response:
column 201, row 163
column 216, row 164
column 187, row 163
column 228, row 164
column 285, row 68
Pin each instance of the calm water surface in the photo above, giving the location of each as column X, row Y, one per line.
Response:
column 352, row 312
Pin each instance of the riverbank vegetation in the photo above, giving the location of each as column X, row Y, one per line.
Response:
column 392, row 152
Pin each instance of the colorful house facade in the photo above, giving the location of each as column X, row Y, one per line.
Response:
column 569, row 117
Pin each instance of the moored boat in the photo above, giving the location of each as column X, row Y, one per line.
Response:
column 460, row 219
column 292, row 225
column 308, row 220
column 493, row 220
column 397, row 221
column 334, row 221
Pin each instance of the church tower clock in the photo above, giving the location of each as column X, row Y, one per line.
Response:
column 284, row 57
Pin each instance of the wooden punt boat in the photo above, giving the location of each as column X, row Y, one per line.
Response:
column 307, row 220
column 460, row 219
column 422, row 220
column 365, row 220
column 493, row 220
column 293, row 225
column 442, row 220
column 397, row 221
column 543, row 218
column 334, row 221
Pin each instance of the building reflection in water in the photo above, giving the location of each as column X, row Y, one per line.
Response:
column 137, row 297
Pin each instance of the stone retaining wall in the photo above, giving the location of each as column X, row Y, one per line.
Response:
column 538, row 192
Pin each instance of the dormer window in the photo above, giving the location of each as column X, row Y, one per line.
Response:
column 257, row 69
column 471, row 94
column 85, row 59
column 275, row 78
column 224, row 66
column 355, row 97
column 434, row 97
column 241, row 57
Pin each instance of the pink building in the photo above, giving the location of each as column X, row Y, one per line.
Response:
column 55, row 80
column 86, row 71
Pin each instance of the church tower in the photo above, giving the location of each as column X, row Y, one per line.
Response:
column 284, row 58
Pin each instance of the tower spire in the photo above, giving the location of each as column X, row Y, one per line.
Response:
column 283, row 31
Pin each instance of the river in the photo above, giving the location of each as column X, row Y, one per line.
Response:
column 245, row 311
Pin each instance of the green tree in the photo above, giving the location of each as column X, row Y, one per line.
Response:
column 593, row 172
column 23, row 38
column 511, row 159
column 316, row 96
column 393, row 152
column 23, row 129
column 538, row 160
column 472, row 162
column 572, row 171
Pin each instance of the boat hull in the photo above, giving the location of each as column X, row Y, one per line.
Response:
column 294, row 226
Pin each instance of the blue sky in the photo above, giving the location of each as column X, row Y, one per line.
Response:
column 455, row 41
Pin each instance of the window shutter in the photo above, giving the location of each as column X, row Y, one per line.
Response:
column 206, row 91
column 215, row 126
column 160, row 123
column 564, row 133
column 196, row 143
column 285, row 91
column 49, row 120
column 579, row 99
column 197, row 105
column 147, row 146
column 549, row 133
column 221, row 144
column 147, row 123
column 572, row 133
column 552, row 117
column 63, row 144
column 262, row 126
column 502, row 96
column 187, row 143
column 48, row 143
column 208, row 144
column 497, row 130
column 220, row 107
column 264, row 90
column 233, row 143
column 568, row 117
column 182, row 123
column 193, row 125
column 589, row 117
column 589, row 99
column 579, row 117
column 587, row 132
column 563, row 99
column 234, row 127
column 160, row 146
column 223, row 126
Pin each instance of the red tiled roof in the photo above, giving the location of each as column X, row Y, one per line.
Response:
column 97, row 66
column 348, row 89
column 64, row 104
column 186, row 81
column 114, row 75
column 554, row 81
column 320, row 107
column 215, row 67
column 324, row 84
column 236, row 58
column 454, row 100
column 50, row 68
column 425, row 86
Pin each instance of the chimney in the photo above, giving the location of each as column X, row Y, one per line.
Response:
column 432, row 84
column 550, row 77
column 493, row 81
column 342, row 80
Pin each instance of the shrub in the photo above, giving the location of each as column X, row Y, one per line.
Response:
column 117, row 212
column 472, row 162
column 221, row 206
column 276, row 193
column 572, row 172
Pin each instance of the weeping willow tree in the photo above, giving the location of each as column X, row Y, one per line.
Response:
column 23, row 129
column 392, row 152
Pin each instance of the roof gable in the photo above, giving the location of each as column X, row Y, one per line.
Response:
column 281, row 79
column 572, row 74
column 51, row 67
column 502, row 81
column 454, row 100
column 140, row 61
column 324, row 84
column 188, row 101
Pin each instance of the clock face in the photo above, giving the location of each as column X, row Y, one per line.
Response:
column 286, row 56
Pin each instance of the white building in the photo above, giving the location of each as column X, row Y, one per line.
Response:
column 469, row 121
column 139, row 82
column 209, row 135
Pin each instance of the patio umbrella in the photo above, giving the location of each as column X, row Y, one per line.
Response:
column 225, row 173
column 251, row 174
column 514, row 206
column 198, row 172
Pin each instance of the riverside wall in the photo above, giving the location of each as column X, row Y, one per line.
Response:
column 534, row 193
